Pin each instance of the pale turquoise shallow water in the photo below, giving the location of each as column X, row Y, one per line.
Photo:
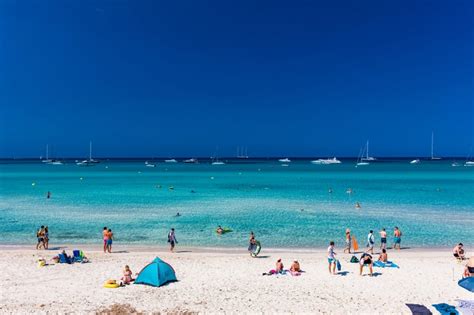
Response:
column 433, row 203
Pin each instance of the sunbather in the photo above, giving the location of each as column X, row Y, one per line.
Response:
column 127, row 275
column 383, row 256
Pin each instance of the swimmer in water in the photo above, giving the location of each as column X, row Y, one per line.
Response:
column 330, row 190
column 349, row 191
column 48, row 195
column 219, row 230
column 357, row 205
column 177, row 214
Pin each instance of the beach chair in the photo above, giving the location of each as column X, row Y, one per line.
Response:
column 78, row 255
column 63, row 259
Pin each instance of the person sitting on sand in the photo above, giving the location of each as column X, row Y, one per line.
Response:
column 295, row 268
column 348, row 241
column 219, row 230
column 332, row 258
column 383, row 256
column 469, row 270
column 366, row 259
column 458, row 251
column 279, row 266
column 127, row 275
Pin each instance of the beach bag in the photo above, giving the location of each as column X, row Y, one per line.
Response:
column 338, row 265
column 354, row 259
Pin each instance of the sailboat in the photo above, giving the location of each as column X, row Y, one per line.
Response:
column 171, row 161
column 432, row 148
column 190, row 161
column 242, row 153
column 415, row 161
column 47, row 160
column 367, row 157
column 147, row 164
column 215, row 160
column 90, row 161
column 360, row 162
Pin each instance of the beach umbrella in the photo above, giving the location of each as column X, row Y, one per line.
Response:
column 467, row 283
column 156, row 274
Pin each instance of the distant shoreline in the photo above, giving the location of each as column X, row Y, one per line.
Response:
column 258, row 158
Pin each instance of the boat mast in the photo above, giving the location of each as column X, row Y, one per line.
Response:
column 367, row 153
column 90, row 150
column 47, row 151
column 432, row 143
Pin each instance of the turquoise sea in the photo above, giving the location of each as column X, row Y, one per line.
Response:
column 432, row 202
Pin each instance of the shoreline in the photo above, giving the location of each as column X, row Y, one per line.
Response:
column 205, row 249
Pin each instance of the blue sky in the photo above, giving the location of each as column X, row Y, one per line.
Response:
column 284, row 78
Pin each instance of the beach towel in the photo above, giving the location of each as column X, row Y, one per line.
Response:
column 388, row 264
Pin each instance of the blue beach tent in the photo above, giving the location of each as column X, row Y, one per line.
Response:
column 156, row 274
column 467, row 283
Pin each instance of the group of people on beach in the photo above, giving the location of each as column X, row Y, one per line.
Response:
column 397, row 240
column 42, row 236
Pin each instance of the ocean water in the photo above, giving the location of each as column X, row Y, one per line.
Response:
column 432, row 202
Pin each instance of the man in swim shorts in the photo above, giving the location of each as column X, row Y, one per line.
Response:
column 383, row 239
column 40, row 237
column 397, row 238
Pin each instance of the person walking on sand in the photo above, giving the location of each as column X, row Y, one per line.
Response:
column 105, row 237
column 40, row 237
column 383, row 239
column 370, row 242
column 332, row 258
column 172, row 239
column 46, row 238
column 110, row 237
column 348, row 241
column 397, row 238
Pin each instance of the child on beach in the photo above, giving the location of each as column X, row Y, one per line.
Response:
column 458, row 251
column 127, row 275
column 397, row 238
column 331, row 258
column 348, row 241
column 383, row 239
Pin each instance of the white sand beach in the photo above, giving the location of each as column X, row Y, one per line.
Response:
column 229, row 282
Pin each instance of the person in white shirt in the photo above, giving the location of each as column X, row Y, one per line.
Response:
column 370, row 242
column 332, row 258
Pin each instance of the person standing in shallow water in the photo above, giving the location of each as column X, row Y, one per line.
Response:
column 348, row 241
column 172, row 239
column 110, row 237
column 105, row 237
column 397, row 238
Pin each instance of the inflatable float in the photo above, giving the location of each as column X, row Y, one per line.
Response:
column 224, row 230
column 111, row 284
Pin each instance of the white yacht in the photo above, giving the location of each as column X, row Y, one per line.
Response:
column 367, row 157
column 469, row 163
column 90, row 161
column 217, row 162
column 171, row 161
column 455, row 164
column 326, row 161
column 56, row 162
column 190, row 161
column 285, row 160
column 415, row 161
column 147, row 164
